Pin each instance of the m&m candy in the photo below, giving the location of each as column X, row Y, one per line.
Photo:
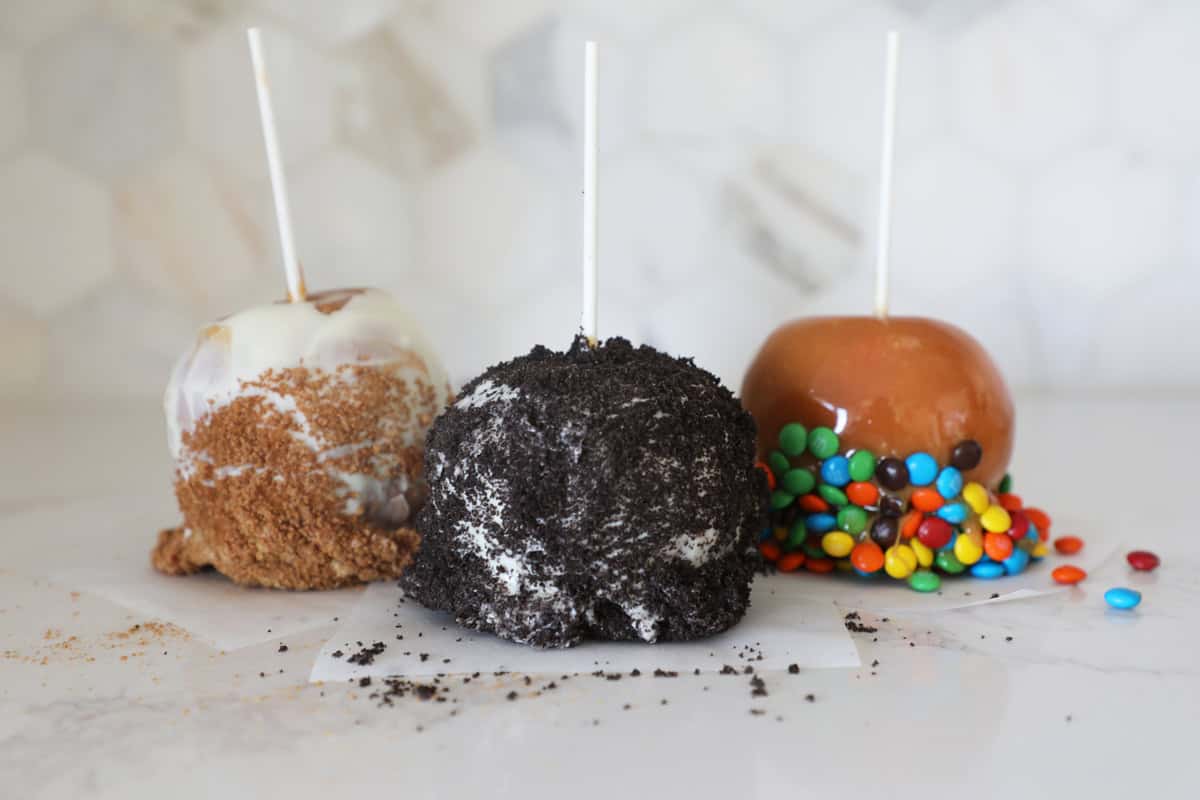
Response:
column 1016, row 563
column 836, row 470
column 822, row 442
column 821, row 523
column 837, row 543
column 867, row 557
column 949, row 483
column 862, row 493
column 862, row 465
column 934, row 533
column 976, row 497
column 968, row 547
column 995, row 519
column 790, row 562
column 793, row 439
column 1068, row 545
column 798, row 481
column 924, row 580
column 924, row 554
column 891, row 474
column 987, row 570
column 1122, row 598
column 819, row 565
column 998, row 546
column 1068, row 575
column 1142, row 560
column 922, row 469
column 966, row 455
column 910, row 517
column 954, row 513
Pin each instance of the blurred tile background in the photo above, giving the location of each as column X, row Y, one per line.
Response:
column 1047, row 185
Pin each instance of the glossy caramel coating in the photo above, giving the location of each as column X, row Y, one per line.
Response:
column 892, row 386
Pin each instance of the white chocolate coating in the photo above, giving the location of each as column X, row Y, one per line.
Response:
column 362, row 328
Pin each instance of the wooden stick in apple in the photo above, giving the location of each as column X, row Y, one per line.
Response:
column 283, row 213
column 591, row 216
column 885, row 175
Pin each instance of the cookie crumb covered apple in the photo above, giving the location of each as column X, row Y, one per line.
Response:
column 605, row 492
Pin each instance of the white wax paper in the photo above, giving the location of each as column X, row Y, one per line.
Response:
column 782, row 625
column 883, row 595
column 102, row 547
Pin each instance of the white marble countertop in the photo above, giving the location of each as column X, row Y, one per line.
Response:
column 1081, row 702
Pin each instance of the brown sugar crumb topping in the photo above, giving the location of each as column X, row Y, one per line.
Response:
column 276, row 514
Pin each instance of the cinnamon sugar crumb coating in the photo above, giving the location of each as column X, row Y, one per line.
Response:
column 269, row 494
column 297, row 431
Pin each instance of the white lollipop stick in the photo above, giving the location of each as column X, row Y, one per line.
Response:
column 591, row 217
column 884, row 244
column 283, row 212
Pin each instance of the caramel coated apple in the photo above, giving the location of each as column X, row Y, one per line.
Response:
column 894, row 386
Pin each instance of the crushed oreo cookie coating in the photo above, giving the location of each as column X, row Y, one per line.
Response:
column 605, row 493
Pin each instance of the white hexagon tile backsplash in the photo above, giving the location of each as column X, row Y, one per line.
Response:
column 1047, row 193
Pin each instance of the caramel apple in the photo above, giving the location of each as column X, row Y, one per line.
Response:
column 886, row 440
column 895, row 386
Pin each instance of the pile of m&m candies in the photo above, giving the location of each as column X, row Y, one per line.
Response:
column 911, row 518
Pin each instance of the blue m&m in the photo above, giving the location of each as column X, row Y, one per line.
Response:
column 954, row 513
column 1122, row 598
column 922, row 469
column 820, row 523
column 949, row 483
column 987, row 570
column 836, row 470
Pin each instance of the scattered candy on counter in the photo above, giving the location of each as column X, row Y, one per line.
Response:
column 1068, row 575
column 1142, row 560
column 1122, row 598
column 909, row 518
column 1068, row 545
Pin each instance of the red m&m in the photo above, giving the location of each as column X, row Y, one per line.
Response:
column 1142, row 560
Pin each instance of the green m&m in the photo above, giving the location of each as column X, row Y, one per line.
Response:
column 924, row 580
column 822, row 442
column 852, row 519
column 778, row 463
column 832, row 495
column 948, row 562
column 796, row 536
column 798, row 481
column 793, row 438
column 862, row 465
column 781, row 500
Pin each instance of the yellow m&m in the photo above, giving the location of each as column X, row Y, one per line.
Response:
column 976, row 497
column 924, row 554
column 968, row 547
column 899, row 561
column 995, row 519
column 837, row 544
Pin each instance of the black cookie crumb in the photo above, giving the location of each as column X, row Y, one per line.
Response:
column 367, row 655
column 853, row 624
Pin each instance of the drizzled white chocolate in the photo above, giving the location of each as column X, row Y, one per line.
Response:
column 363, row 328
